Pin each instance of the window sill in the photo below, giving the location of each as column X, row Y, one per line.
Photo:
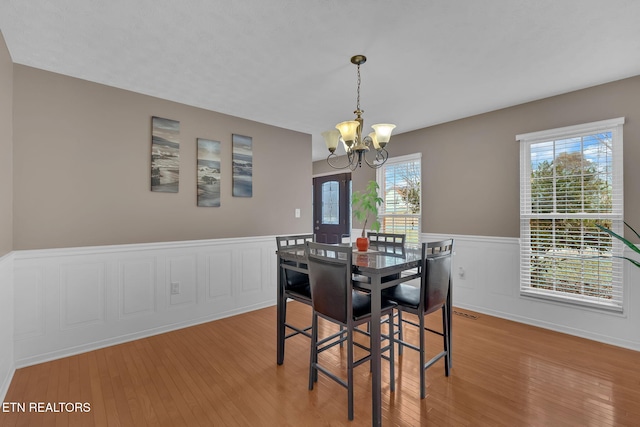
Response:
column 596, row 307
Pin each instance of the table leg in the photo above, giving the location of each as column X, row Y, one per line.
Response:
column 376, row 357
column 449, row 318
column 281, row 313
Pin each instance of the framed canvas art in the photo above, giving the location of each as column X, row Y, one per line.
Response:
column 165, row 155
column 242, row 165
column 208, row 173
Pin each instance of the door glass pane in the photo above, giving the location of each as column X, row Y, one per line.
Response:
column 330, row 203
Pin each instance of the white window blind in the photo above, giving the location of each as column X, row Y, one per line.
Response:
column 400, row 181
column 571, row 180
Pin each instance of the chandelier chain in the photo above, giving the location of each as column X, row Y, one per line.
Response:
column 358, row 100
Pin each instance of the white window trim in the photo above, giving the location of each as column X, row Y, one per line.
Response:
column 380, row 178
column 526, row 140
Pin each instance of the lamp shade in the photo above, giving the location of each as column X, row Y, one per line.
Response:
column 383, row 133
column 344, row 144
column 348, row 131
column 331, row 138
column 374, row 140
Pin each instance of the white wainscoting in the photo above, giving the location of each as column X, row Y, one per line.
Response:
column 486, row 279
column 7, row 365
column 68, row 301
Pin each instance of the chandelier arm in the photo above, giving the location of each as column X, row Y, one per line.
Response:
column 372, row 165
column 334, row 156
column 381, row 157
column 351, row 165
column 383, row 153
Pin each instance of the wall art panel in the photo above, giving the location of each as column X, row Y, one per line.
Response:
column 165, row 155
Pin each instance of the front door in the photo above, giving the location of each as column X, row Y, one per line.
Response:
column 331, row 207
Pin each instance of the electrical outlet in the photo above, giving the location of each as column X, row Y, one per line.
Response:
column 175, row 288
column 461, row 273
column 297, row 213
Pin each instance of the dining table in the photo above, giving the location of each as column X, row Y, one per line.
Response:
column 380, row 261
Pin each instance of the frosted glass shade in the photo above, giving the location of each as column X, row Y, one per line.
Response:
column 374, row 140
column 331, row 138
column 348, row 131
column 344, row 144
column 383, row 133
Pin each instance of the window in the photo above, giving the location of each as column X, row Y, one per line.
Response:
column 571, row 180
column 400, row 182
column 330, row 203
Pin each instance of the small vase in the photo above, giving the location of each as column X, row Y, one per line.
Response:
column 362, row 243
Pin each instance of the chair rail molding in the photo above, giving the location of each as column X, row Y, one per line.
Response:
column 72, row 300
column 486, row 279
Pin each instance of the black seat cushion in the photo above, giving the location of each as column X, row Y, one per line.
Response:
column 362, row 305
column 404, row 295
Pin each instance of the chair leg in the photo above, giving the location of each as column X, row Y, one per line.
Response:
column 392, row 352
column 445, row 334
column 282, row 319
column 423, row 371
column 400, row 335
column 313, row 354
column 350, row 371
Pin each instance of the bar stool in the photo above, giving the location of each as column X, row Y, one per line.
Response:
column 334, row 299
column 431, row 296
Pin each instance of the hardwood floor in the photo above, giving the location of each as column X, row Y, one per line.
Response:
column 224, row 373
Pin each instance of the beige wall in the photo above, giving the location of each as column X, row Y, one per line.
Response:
column 6, row 150
column 82, row 169
column 471, row 166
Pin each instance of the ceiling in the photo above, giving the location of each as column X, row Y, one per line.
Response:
column 287, row 62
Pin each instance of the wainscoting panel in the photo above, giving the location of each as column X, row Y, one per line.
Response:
column 82, row 299
column 250, row 279
column 29, row 294
column 68, row 301
column 486, row 279
column 7, row 366
column 137, row 296
column 500, row 281
column 218, row 275
column 182, row 276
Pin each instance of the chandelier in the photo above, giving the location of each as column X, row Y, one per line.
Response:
column 350, row 134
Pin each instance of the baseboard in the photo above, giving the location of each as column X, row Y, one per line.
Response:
column 4, row 387
column 631, row 345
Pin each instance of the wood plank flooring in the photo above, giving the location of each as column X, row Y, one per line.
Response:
column 224, row 373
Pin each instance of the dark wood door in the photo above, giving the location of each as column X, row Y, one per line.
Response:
column 332, row 207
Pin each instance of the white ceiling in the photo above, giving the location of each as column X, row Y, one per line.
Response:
column 286, row 62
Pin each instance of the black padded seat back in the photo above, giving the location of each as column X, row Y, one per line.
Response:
column 330, row 280
column 389, row 243
column 438, row 271
column 436, row 274
column 295, row 279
